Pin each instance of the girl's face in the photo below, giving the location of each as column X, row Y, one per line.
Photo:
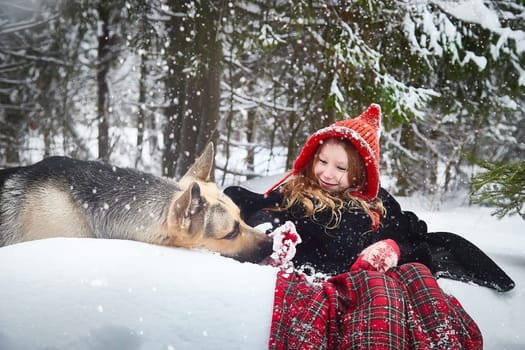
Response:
column 331, row 167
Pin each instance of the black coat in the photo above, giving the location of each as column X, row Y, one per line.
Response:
column 334, row 250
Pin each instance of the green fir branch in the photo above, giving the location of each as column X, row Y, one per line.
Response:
column 501, row 186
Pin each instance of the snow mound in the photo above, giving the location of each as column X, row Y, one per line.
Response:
column 71, row 293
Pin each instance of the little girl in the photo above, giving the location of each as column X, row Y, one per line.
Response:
column 334, row 199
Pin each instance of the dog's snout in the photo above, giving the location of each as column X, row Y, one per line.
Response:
column 261, row 248
column 265, row 249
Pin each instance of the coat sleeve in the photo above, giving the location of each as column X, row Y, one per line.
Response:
column 407, row 230
column 446, row 254
column 253, row 205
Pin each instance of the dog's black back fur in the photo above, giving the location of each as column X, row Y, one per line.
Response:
column 6, row 173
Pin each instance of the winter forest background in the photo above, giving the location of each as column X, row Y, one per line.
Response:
column 257, row 77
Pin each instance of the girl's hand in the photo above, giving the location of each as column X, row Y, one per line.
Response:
column 379, row 256
column 285, row 239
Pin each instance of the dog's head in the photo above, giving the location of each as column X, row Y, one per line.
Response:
column 201, row 216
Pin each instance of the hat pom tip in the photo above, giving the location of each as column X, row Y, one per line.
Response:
column 375, row 109
column 373, row 114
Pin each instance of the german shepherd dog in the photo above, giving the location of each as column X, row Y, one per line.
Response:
column 64, row 197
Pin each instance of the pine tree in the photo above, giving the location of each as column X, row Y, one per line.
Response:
column 502, row 186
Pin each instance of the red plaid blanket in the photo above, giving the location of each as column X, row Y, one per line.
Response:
column 402, row 309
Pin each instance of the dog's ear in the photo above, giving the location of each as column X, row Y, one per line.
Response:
column 185, row 207
column 203, row 166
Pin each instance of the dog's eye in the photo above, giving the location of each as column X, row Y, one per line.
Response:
column 233, row 233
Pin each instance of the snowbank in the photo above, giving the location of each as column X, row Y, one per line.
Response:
column 70, row 293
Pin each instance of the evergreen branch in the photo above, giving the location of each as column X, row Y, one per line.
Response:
column 502, row 186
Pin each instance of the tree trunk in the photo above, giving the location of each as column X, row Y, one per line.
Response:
column 141, row 117
column 193, row 115
column 102, row 84
column 250, row 137
column 10, row 137
column 175, row 85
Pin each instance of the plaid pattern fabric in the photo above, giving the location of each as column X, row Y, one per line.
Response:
column 402, row 309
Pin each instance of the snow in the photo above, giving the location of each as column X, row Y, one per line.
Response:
column 71, row 293
column 473, row 11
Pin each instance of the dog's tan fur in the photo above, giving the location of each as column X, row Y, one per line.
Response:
column 51, row 213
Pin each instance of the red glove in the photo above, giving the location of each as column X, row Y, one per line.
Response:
column 285, row 238
column 379, row 256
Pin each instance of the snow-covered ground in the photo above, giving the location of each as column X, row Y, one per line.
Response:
column 501, row 316
column 107, row 294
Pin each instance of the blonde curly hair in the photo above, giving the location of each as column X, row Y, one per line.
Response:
column 304, row 189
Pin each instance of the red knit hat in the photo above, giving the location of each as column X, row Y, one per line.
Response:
column 363, row 132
